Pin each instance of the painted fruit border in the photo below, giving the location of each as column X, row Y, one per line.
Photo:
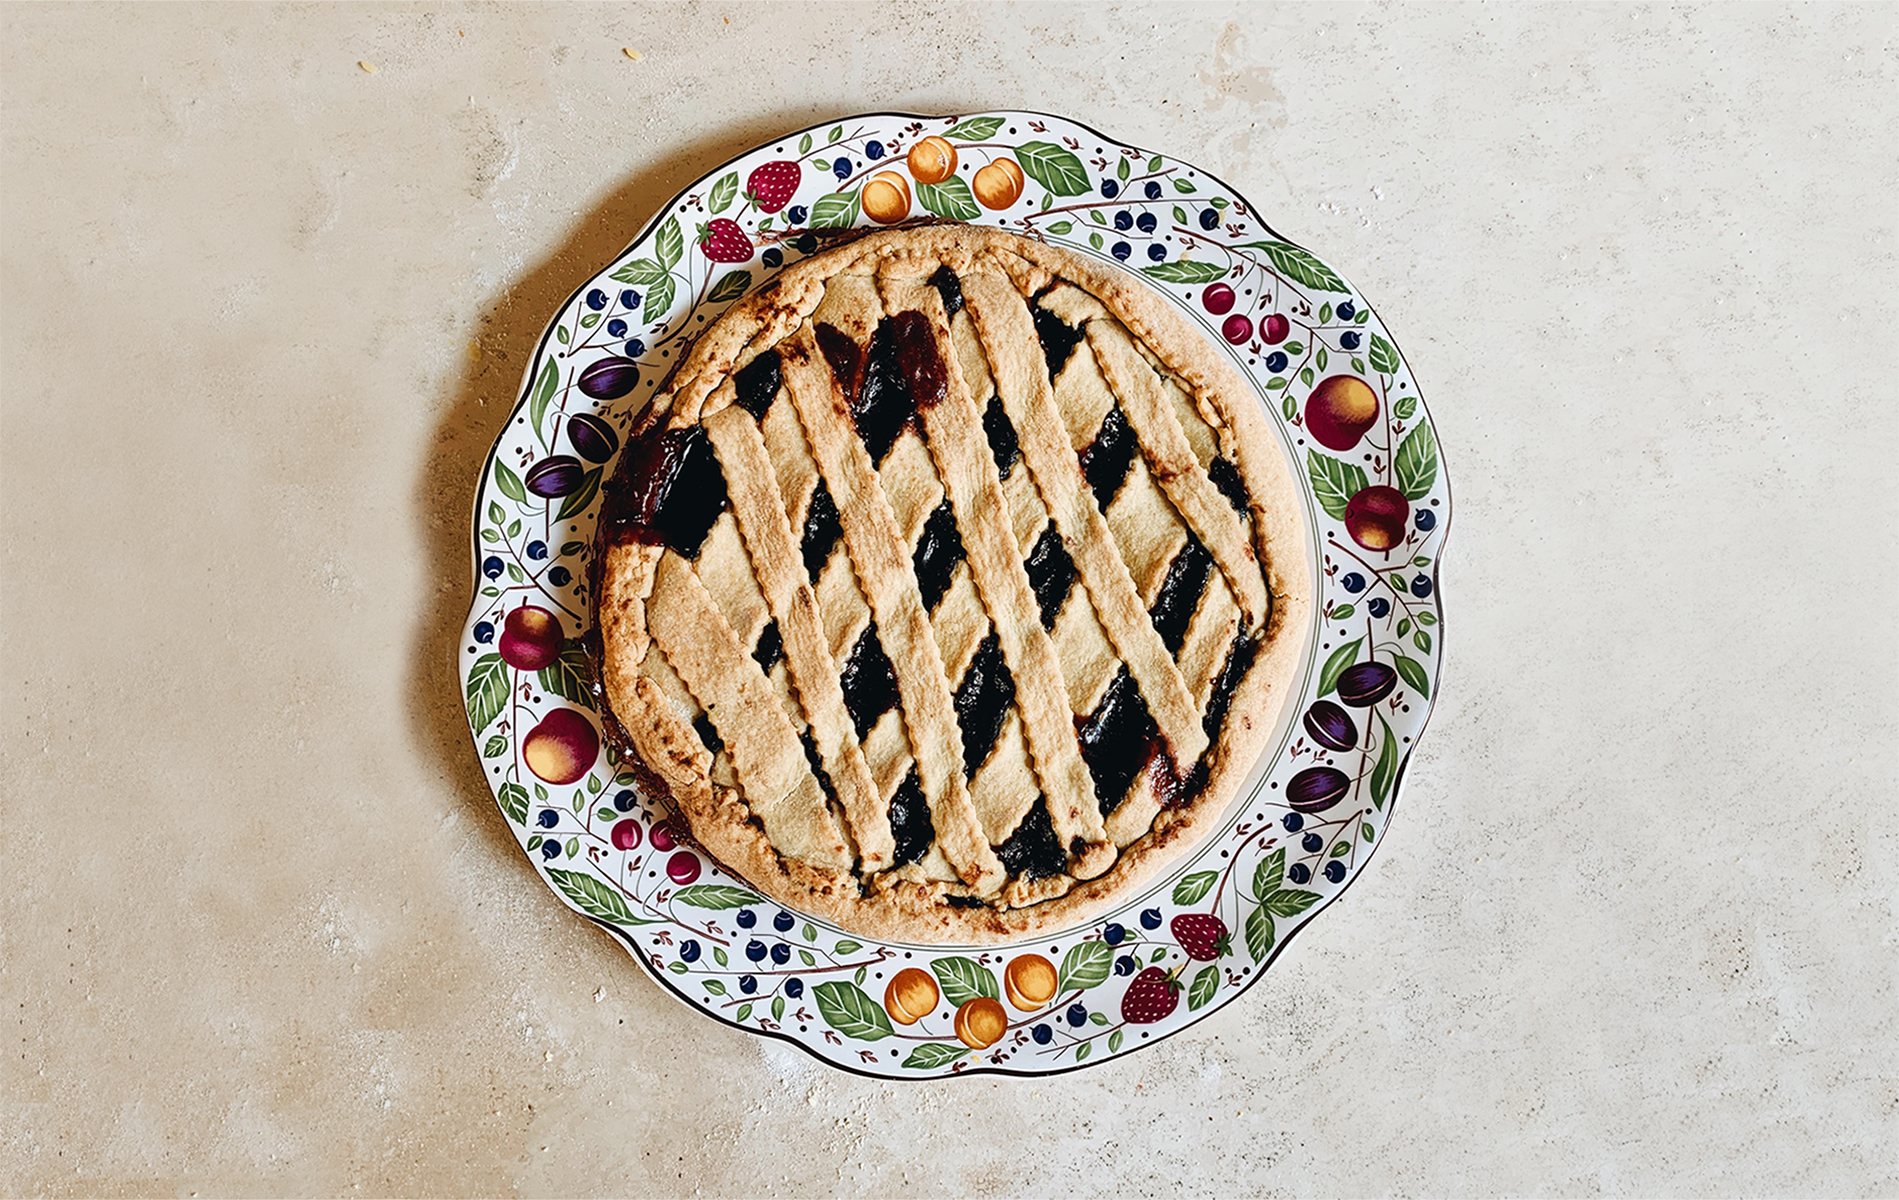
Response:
column 1197, row 939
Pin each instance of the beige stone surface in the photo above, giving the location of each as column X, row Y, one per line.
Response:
column 1636, row 929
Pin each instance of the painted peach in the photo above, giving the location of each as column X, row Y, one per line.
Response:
column 911, row 996
column 999, row 184
column 932, row 160
column 887, row 198
column 1029, row 981
column 980, row 1023
column 1340, row 410
column 562, row 748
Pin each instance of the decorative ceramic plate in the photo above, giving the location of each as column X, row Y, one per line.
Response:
column 1316, row 806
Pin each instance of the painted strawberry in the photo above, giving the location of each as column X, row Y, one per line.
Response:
column 724, row 242
column 1153, row 994
column 772, row 185
column 1202, row 935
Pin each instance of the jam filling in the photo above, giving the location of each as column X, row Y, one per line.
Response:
column 770, row 648
column 982, row 701
column 885, row 386
column 667, row 491
column 821, row 531
column 910, row 822
column 702, row 725
column 949, row 287
column 1105, row 461
column 870, row 683
column 924, row 371
column 1180, row 594
column 1118, row 740
column 816, row 760
column 1001, row 433
column 1032, row 851
column 758, row 383
column 846, row 358
column 1058, row 338
column 1238, row 659
column 1051, row 573
column 938, row 551
column 1226, row 477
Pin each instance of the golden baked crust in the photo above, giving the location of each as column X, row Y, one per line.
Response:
column 794, row 676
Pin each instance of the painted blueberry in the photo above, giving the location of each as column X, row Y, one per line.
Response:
column 1114, row 935
column 1077, row 1015
column 748, row 984
column 1378, row 606
column 794, row 987
column 873, row 150
column 806, row 244
column 1110, row 188
column 746, row 918
column 484, row 632
column 1346, row 312
column 1293, row 822
column 1209, row 218
column 550, row 849
column 1421, row 586
column 841, row 168
column 1124, row 965
column 1352, row 582
column 1153, row 189
column 781, row 954
column 755, row 950
column 560, row 577
column 1335, row 870
column 1124, row 220
column 1276, row 362
column 491, row 567
column 547, row 818
column 1299, row 873
column 1043, row 1035
column 689, row 951
column 1121, row 250
column 774, row 257
column 782, row 922
column 1312, row 843
column 1146, row 223
column 629, row 299
column 796, row 214
column 1427, row 520
column 1156, row 251
column 635, row 348
column 1150, row 918
column 596, row 299
column 537, row 549
column 616, row 328
column 1349, row 340
column 623, row 800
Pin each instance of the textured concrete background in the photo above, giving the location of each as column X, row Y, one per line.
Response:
column 1636, row 929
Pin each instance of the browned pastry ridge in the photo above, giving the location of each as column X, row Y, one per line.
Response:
column 953, row 586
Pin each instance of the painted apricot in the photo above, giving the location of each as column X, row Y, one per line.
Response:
column 932, row 160
column 886, row 198
column 1340, row 410
column 999, row 184
column 1029, row 982
column 980, row 1023
column 911, row 996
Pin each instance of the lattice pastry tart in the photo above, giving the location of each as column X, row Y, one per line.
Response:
column 952, row 587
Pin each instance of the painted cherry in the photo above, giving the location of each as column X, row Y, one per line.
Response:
column 683, row 867
column 1275, row 328
column 626, row 835
column 1237, row 328
column 1218, row 299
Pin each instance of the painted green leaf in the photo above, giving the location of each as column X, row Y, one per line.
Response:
column 604, row 813
column 744, row 1011
column 496, row 513
column 1183, row 186
column 1294, row 347
column 573, row 846
column 1305, row 376
column 569, row 549
column 931, row 1055
column 659, row 298
column 1122, row 170
column 1046, row 201
column 716, row 895
column 847, row 947
column 509, row 483
column 589, row 320
column 669, row 244
column 1154, row 164
column 1180, row 215
column 851, row 1012
column 723, row 192
column 1094, row 214
column 594, row 897
column 1218, row 202
column 837, row 131
column 1321, row 358
column 1405, row 406
column 804, row 144
column 1358, row 365
column 777, row 1008
column 1269, row 874
column 1098, row 1018
column 1367, row 832
column 810, row 932
column 1427, row 618
column 965, row 979
column 514, row 802
column 1114, row 1040
column 1300, row 267
column 1412, row 672
column 719, row 956
column 641, row 271
column 1061, row 227
column 1343, row 611
column 576, row 501
column 1422, row 641
column 1340, row 848
column 823, row 165
column 731, row 287
column 1094, row 239
column 678, row 968
column 1384, row 356
column 836, row 211
column 809, row 959
column 1415, row 464
column 534, row 843
column 514, row 527
column 1335, row 665
column 1275, row 385
column 488, row 684
column 1404, row 627
column 1205, row 983
column 1157, row 955
column 1185, row 270
column 560, row 334
column 1189, row 890
column 514, row 573
column 495, row 747
column 1290, row 902
column 715, row 987
column 1082, row 1051
column 1325, row 312
column 973, row 130
column 1085, row 965
column 950, row 198
column 1286, row 404
column 1334, row 482
column 1054, row 167
column 1259, row 934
